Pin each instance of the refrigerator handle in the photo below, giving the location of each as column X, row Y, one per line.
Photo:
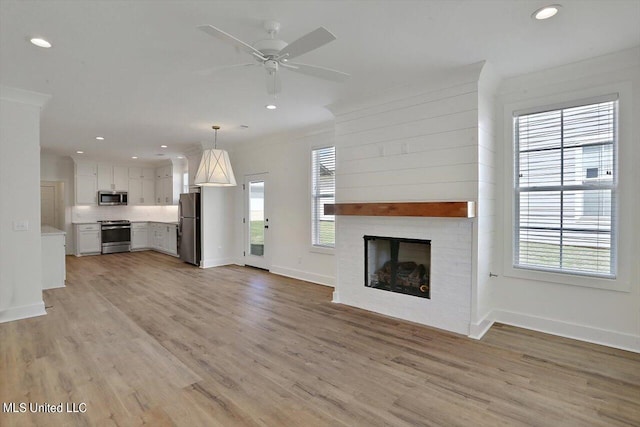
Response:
column 180, row 218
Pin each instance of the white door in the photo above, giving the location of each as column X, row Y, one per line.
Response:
column 256, row 220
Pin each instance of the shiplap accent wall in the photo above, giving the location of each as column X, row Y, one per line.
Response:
column 419, row 143
column 412, row 145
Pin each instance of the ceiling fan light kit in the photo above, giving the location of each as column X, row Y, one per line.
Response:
column 215, row 167
column 275, row 54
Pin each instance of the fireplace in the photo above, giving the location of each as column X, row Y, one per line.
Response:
column 398, row 265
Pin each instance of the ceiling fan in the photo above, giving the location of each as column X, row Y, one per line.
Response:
column 275, row 54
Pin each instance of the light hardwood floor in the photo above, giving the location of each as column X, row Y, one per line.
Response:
column 142, row 338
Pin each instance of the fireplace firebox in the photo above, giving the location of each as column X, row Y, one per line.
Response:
column 398, row 265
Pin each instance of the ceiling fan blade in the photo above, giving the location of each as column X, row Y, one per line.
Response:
column 212, row 70
column 316, row 71
column 273, row 83
column 218, row 33
column 306, row 43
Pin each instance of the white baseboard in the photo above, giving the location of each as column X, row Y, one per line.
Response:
column 215, row 262
column 478, row 329
column 22, row 312
column 320, row 279
column 569, row 330
column 336, row 297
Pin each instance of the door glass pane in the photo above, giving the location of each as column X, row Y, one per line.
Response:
column 256, row 218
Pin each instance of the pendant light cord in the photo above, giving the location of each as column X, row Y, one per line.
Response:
column 215, row 138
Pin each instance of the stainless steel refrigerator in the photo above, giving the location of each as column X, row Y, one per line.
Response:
column 189, row 229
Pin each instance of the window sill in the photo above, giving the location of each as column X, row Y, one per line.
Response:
column 611, row 284
column 322, row 250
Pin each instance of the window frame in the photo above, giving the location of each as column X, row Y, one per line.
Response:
column 316, row 246
column 555, row 97
column 613, row 186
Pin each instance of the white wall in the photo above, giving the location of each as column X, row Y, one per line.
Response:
column 585, row 310
column 287, row 160
column 217, row 217
column 20, row 251
column 484, row 224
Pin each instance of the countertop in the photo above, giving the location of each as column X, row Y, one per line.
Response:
column 47, row 230
column 132, row 222
column 158, row 222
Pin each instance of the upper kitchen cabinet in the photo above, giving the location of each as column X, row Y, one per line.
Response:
column 142, row 173
column 142, row 186
column 168, row 185
column 86, row 182
column 111, row 177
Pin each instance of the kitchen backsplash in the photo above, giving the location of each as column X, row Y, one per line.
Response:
column 132, row 213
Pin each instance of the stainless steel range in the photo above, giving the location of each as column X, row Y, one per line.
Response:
column 116, row 236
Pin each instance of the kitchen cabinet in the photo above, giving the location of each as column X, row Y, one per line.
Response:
column 142, row 173
column 142, row 186
column 170, row 239
column 139, row 235
column 88, row 239
column 166, row 186
column 85, row 180
column 164, row 238
column 113, row 178
column 53, row 261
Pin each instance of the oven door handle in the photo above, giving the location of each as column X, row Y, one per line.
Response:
column 117, row 227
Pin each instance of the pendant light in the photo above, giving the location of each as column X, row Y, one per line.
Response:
column 215, row 167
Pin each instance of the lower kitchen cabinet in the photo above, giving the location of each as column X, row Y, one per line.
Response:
column 139, row 235
column 164, row 237
column 88, row 240
column 53, row 253
column 158, row 236
column 161, row 237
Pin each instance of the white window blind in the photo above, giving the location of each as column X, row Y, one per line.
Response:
column 323, row 170
column 565, row 189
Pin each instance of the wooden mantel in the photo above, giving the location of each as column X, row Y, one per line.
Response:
column 427, row 209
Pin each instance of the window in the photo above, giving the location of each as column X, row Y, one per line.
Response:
column 323, row 189
column 565, row 189
column 185, row 182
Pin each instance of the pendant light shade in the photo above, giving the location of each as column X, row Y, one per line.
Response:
column 215, row 167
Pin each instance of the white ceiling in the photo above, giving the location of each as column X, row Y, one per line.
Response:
column 129, row 70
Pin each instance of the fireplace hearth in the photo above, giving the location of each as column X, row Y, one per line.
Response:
column 398, row 265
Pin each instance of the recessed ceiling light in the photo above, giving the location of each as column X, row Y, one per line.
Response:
column 40, row 42
column 180, row 157
column 100, row 138
column 79, row 152
column 163, row 146
column 546, row 12
column 270, row 107
column 134, row 157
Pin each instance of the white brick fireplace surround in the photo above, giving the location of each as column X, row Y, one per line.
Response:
column 451, row 269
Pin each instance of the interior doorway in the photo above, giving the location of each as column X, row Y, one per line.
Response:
column 52, row 204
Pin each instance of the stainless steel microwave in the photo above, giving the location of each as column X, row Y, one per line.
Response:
column 112, row 198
